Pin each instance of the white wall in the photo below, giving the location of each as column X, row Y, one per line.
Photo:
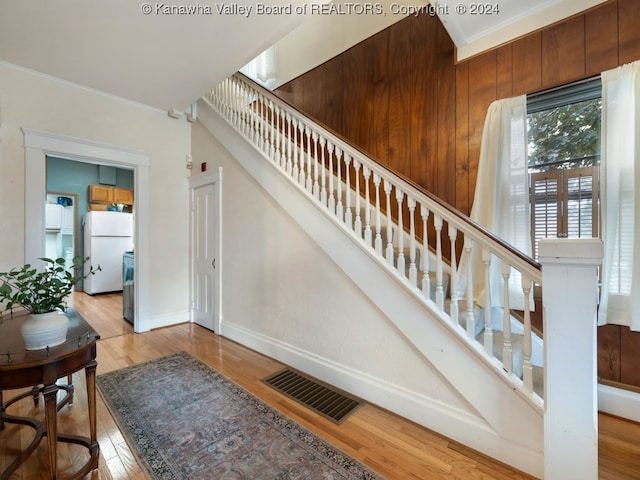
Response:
column 37, row 102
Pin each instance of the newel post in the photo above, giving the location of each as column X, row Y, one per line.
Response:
column 570, row 296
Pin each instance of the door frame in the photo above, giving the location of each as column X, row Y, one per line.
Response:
column 213, row 177
column 38, row 145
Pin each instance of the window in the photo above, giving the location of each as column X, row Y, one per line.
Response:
column 563, row 128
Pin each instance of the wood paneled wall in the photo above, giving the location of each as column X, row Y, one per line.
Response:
column 400, row 96
column 392, row 95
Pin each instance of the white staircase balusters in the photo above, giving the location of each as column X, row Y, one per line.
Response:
column 348, row 213
column 302, row 174
column 366, row 174
column 400, row 236
column 263, row 119
column 357, row 226
column 272, row 130
column 288, row 136
column 507, row 346
column 426, row 280
column 339, row 204
column 332, row 198
column 309, row 183
column 285, row 141
column 413, row 270
column 437, row 222
column 295, row 143
column 252, row 107
column 389, row 253
column 314, row 158
column 277, row 156
column 470, row 315
column 488, row 327
column 377, row 244
column 323, row 172
column 453, row 283
column 302, row 166
column 282, row 139
column 527, row 369
column 242, row 109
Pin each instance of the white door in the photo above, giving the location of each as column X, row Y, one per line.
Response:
column 205, row 292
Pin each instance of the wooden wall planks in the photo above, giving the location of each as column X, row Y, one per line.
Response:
column 628, row 32
column 401, row 96
column 563, row 52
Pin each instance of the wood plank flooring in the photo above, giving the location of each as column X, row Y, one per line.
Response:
column 394, row 447
column 103, row 312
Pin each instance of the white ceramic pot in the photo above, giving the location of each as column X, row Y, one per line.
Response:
column 42, row 330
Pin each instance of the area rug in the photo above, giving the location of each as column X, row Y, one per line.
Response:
column 185, row 420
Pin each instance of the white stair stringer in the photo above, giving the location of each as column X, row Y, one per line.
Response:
column 508, row 425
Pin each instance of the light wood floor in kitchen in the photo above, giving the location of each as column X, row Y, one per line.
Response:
column 394, row 447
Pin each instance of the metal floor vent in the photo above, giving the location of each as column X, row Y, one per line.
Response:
column 324, row 399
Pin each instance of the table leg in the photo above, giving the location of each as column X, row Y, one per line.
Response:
column 90, row 372
column 50, row 412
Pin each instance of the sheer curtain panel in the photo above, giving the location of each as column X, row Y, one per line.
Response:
column 501, row 198
column 620, row 177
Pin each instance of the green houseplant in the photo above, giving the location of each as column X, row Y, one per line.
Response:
column 43, row 293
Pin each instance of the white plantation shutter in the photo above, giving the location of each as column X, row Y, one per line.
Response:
column 545, row 206
column 620, row 297
column 564, row 203
column 580, row 216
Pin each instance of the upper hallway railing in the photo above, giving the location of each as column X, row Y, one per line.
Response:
column 451, row 262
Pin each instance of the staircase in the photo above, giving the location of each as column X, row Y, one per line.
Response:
column 427, row 267
column 358, row 193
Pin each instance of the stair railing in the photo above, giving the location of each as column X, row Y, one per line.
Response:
column 409, row 229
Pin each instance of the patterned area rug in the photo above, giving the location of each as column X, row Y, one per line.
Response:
column 185, row 420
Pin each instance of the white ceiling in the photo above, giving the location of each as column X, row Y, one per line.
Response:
column 170, row 60
column 161, row 60
column 475, row 28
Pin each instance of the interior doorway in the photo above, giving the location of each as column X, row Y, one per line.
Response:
column 39, row 145
column 75, row 188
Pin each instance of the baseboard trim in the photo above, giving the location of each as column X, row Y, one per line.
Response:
column 168, row 319
column 619, row 402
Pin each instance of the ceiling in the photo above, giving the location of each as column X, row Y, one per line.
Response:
column 475, row 28
column 158, row 59
column 168, row 60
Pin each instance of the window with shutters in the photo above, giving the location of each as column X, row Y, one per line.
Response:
column 564, row 157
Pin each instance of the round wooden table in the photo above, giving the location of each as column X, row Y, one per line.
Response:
column 40, row 370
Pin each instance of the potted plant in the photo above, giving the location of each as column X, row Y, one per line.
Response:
column 43, row 294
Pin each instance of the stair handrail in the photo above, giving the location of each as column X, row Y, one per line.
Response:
column 480, row 234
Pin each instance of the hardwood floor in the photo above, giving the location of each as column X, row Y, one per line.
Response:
column 394, row 447
column 103, row 312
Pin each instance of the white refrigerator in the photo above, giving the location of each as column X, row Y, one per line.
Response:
column 107, row 235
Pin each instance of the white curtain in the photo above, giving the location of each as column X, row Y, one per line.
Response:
column 501, row 199
column 620, row 196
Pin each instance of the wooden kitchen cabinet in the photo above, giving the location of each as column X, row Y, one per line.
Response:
column 106, row 194
column 123, row 195
column 100, row 194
